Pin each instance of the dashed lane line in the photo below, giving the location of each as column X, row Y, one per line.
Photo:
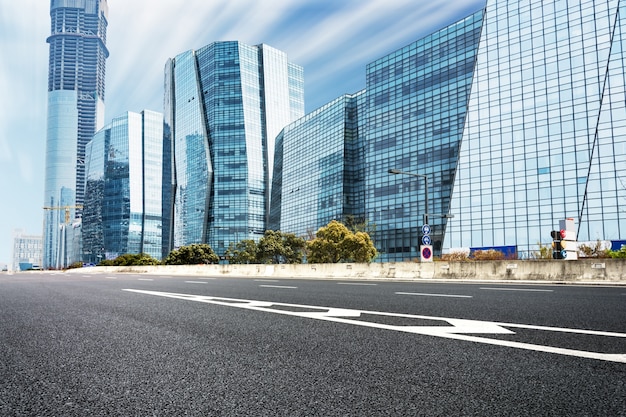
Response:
column 514, row 289
column 434, row 295
column 278, row 286
column 364, row 284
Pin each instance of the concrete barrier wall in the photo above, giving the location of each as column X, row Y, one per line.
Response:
column 607, row 270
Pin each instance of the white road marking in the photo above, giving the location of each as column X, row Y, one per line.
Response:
column 515, row 289
column 145, row 279
column 266, row 280
column 357, row 283
column 196, row 282
column 434, row 295
column 458, row 329
column 111, row 277
column 277, row 286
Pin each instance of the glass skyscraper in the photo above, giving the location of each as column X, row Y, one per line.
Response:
column 225, row 104
column 417, row 102
column 516, row 116
column 316, row 181
column 545, row 134
column 123, row 207
column 75, row 111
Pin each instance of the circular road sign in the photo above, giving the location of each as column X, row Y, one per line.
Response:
column 426, row 240
column 426, row 229
column 427, row 253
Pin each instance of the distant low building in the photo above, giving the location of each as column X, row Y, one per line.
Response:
column 27, row 251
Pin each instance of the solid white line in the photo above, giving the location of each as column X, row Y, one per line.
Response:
column 434, row 295
column 145, row 279
column 277, row 286
column 355, row 283
column 515, row 289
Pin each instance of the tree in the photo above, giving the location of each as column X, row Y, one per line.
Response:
column 336, row 243
column 244, row 252
column 195, row 254
column 276, row 247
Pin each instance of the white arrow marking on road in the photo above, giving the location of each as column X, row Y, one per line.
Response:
column 458, row 329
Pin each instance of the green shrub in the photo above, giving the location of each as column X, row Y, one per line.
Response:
column 130, row 259
column 195, row 254
column 618, row 254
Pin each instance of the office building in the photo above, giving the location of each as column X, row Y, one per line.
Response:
column 417, row 102
column 323, row 179
column 545, row 133
column 27, row 251
column 225, row 104
column 123, row 207
column 75, row 111
column 515, row 119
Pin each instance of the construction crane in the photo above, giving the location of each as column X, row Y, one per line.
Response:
column 67, row 210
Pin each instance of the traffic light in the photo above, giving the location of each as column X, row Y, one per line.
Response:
column 557, row 245
column 564, row 245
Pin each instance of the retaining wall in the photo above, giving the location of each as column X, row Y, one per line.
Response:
column 599, row 270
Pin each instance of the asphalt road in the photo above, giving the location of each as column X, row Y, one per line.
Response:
column 132, row 345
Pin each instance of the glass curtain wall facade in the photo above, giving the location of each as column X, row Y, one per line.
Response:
column 225, row 104
column 76, row 79
column 545, row 135
column 319, row 169
column 124, row 202
column 416, row 107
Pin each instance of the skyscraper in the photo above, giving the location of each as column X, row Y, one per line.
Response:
column 76, row 78
column 545, row 133
column 225, row 104
column 123, row 202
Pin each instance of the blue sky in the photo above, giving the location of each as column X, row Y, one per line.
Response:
column 332, row 39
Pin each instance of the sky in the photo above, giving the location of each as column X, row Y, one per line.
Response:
column 333, row 40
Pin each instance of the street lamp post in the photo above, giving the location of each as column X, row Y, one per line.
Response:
column 397, row 171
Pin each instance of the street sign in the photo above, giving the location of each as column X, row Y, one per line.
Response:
column 426, row 253
column 426, row 240
column 426, row 229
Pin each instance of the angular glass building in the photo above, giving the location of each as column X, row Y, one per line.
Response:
column 123, row 208
column 316, row 181
column 75, row 111
column 417, row 102
column 545, row 134
column 515, row 118
column 225, row 104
